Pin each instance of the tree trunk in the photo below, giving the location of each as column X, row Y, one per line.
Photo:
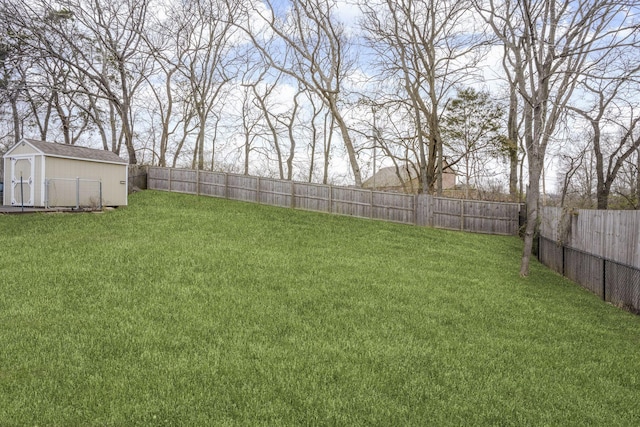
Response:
column 436, row 142
column 247, row 152
column 602, row 194
column 432, row 158
column 314, row 141
column 424, row 180
column 17, row 129
column 125, row 111
column 166, row 118
column 328, row 137
column 292, row 139
column 532, row 116
column 201, row 135
column 637, row 179
column 533, row 197
column 512, row 135
column 348, row 143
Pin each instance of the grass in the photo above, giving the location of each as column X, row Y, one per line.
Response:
column 179, row 310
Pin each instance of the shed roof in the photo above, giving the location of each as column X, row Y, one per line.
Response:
column 67, row 151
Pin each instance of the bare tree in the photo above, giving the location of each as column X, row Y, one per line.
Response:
column 389, row 125
column 614, row 105
column 428, row 47
column 513, row 141
column 320, row 134
column 548, row 45
column 99, row 41
column 262, row 91
column 307, row 43
column 570, row 165
column 289, row 120
column 628, row 185
column 203, row 41
column 162, row 87
column 249, row 126
column 164, row 98
column 57, row 95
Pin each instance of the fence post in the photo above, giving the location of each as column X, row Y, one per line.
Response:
column 426, row 201
column 293, row 195
column 170, row 169
column 198, row 182
column 330, row 198
column 77, row 193
column 100, row 185
column 462, row 214
column 226, row 185
column 258, row 190
column 371, row 204
column 604, row 279
column 21, row 193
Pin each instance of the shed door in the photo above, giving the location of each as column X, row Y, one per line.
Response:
column 22, row 180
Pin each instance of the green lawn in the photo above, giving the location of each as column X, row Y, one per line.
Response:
column 179, row 310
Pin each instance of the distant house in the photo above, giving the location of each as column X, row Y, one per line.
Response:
column 40, row 174
column 387, row 179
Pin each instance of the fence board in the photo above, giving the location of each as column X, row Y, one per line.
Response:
column 590, row 233
column 159, row 178
column 351, row 201
column 549, row 221
column 622, row 227
column 393, row 207
column 212, row 184
column 424, row 203
column 183, row 181
column 447, row 213
column 313, row 197
column 276, row 193
column 490, row 217
column 243, row 188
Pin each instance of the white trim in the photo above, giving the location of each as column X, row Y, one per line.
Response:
column 43, row 180
column 126, row 187
column 21, row 142
column 32, row 183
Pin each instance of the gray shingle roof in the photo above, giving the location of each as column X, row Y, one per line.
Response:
column 75, row 152
column 388, row 177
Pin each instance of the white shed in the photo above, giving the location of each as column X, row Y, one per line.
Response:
column 43, row 174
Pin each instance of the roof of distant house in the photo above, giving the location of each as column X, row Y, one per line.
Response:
column 388, row 176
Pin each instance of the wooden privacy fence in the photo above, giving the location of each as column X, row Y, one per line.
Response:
column 598, row 249
column 466, row 215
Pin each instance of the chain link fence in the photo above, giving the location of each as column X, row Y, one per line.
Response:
column 77, row 193
column 612, row 281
